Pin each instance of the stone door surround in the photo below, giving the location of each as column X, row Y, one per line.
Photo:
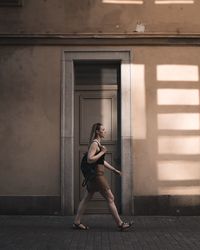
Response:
column 67, row 122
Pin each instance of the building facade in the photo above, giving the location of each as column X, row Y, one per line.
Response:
column 132, row 65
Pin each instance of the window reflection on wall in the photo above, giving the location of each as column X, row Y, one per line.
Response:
column 143, row 1
column 178, row 73
column 178, row 170
column 186, row 145
column 178, row 97
column 174, row 1
column 123, row 1
column 178, row 123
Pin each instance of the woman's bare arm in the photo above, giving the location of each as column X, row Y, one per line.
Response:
column 107, row 165
column 91, row 158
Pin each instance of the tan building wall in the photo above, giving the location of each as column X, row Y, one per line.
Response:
column 100, row 16
column 164, row 89
column 30, row 121
column 166, row 120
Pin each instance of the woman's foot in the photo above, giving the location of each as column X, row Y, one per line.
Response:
column 125, row 225
column 80, row 226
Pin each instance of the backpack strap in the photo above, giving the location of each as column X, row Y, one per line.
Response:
column 85, row 181
column 99, row 144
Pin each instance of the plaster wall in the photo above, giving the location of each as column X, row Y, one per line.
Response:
column 165, row 120
column 99, row 16
column 165, row 151
column 30, row 121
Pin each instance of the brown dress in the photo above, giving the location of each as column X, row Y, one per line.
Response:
column 99, row 183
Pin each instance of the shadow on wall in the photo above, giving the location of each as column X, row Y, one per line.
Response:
column 172, row 139
column 178, row 126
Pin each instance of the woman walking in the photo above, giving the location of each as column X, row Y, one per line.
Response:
column 96, row 154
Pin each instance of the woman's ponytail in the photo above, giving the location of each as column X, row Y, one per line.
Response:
column 95, row 127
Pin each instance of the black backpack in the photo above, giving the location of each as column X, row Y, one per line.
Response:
column 88, row 170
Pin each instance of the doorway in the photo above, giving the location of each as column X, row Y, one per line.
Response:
column 97, row 96
column 104, row 96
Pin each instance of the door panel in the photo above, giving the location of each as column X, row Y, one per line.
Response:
column 91, row 107
column 98, row 107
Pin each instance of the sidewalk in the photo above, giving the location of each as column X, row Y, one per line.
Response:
column 55, row 232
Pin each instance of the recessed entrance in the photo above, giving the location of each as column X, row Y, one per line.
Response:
column 97, row 90
column 107, row 90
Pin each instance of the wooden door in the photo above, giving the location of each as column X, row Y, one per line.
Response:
column 97, row 101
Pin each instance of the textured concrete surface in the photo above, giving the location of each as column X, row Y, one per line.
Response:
column 55, row 232
column 102, row 16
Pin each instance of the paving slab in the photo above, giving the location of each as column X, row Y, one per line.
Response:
column 56, row 233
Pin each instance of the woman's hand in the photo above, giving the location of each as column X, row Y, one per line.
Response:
column 118, row 172
column 103, row 149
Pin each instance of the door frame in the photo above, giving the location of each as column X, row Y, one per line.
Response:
column 67, row 123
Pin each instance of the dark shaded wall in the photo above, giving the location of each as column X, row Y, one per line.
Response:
column 30, row 121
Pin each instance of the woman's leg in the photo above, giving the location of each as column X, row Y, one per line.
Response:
column 82, row 206
column 107, row 194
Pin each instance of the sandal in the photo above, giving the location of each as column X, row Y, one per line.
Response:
column 125, row 225
column 78, row 226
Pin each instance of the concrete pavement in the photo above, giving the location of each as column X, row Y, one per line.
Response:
column 55, row 232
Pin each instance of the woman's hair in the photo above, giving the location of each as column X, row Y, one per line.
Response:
column 93, row 134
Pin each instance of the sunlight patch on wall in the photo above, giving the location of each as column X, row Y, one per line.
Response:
column 138, row 99
column 178, row 73
column 178, row 170
column 178, row 97
column 174, row 1
column 123, row 1
column 179, row 190
column 188, row 145
column 179, row 121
